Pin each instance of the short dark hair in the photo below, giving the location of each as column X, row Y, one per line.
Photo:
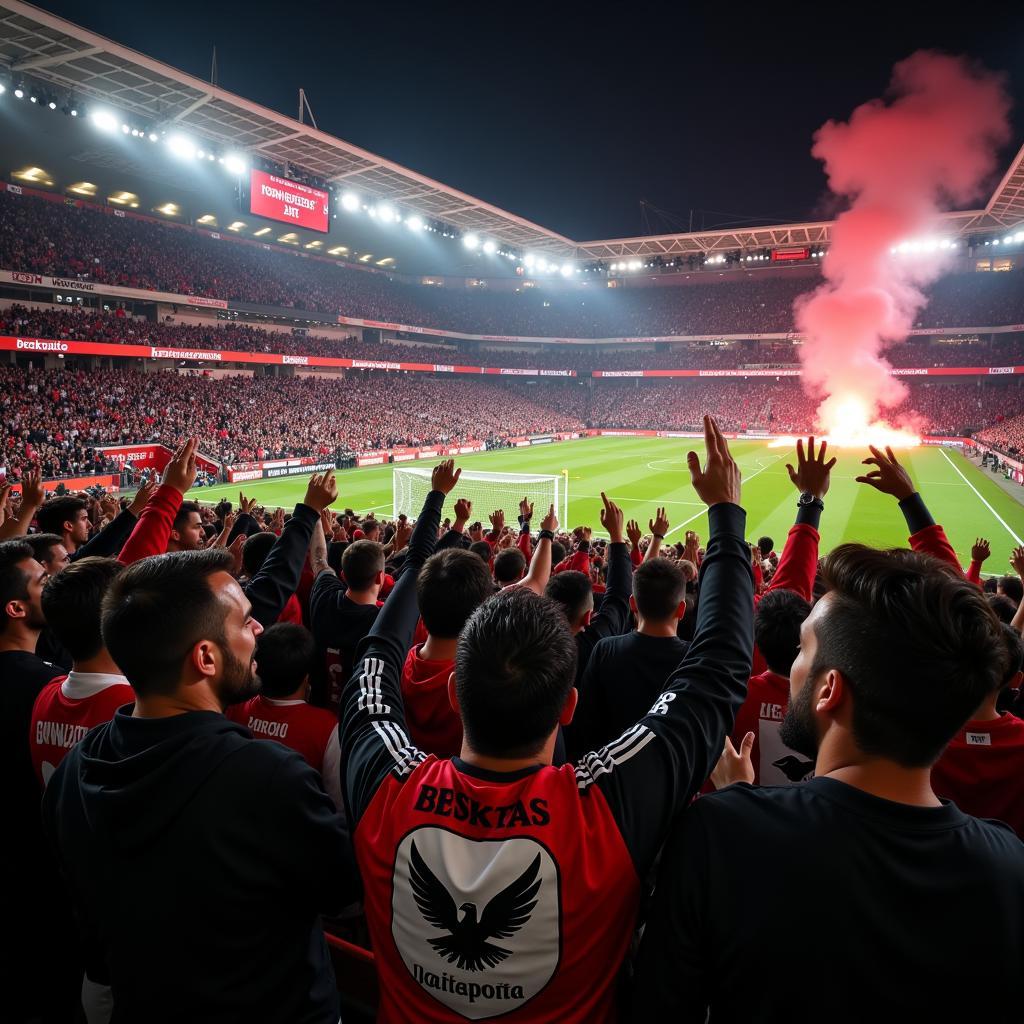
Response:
column 572, row 591
column 157, row 610
column 255, row 551
column 777, row 621
column 362, row 560
column 1003, row 606
column 451, row 585
column 514, row 667
column 41, row 544
column 52, row 516
column 1012, row 588
column 72, row 600
column 184, row 511
column 766, row 546
column 659, row 588
column 557, row 552
column 222, row 509
column 509, row 565
column 13, row 582
column 482, row 550
column 284, row 657
column 917, row 644
column 1014, row 654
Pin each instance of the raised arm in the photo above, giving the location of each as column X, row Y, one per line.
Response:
column 374, row 743
column 654, row 768
column 659, row 527
column 890, row 477
column 161, row 504
column 268, row 591
column 540, row 565
column 33, row 495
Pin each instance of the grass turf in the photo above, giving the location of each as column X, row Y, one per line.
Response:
column 641, row 473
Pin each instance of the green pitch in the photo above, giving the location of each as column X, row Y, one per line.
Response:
column 641, row 473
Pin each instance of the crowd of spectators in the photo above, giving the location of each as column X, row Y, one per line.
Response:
column 85, row 242
column 83, row 323
column 1007, row 433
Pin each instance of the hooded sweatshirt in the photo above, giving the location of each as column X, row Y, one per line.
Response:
column 199, row 861
column 434, row 725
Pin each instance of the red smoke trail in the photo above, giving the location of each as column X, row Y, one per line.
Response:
column 931, row 143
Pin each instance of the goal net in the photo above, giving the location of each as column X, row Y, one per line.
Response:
column 487, row 492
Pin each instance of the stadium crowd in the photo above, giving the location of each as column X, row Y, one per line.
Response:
column 227, row 733
column 84, row 242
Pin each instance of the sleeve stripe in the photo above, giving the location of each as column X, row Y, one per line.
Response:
column 603, row 762
column 371, row 697
column 405, row 755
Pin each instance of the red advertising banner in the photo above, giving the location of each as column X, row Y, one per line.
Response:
column 288, row 201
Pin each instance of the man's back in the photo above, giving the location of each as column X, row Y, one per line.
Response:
column 337, row 624
column 982, row 770
column 753, row 878
column 199, row 860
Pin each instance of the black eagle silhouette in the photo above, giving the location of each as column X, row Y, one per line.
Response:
column 466, row 942
column 793, row 768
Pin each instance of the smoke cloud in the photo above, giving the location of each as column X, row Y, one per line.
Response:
column 931, row 143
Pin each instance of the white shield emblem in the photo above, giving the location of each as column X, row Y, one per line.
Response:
column 476, row 922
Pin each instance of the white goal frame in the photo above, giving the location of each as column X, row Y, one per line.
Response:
column 411, row 484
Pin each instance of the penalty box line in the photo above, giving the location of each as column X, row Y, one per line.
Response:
column 982, row 499
column 742, row 481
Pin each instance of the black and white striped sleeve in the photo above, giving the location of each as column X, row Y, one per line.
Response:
column 374, row 742
column 654, row 768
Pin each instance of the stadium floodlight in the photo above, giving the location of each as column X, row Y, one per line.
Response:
column 181, row 145
column 20, row 93
column 529, row 260
column 74, row 112
column 414, row 223
column 33, row 99
column 385, row 212
column 471, row 241
column 542, row 265
column 200, row 154
column 3, row 89
column 411, row 485
column 235, row 163
column 104, row 120
column 52, row 105
column 489, row 247
column 152, row 135
column 995, row 241
column 350, row 202
column 1008, row 241
column 566, row 270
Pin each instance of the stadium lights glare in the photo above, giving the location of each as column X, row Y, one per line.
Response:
column 52, row 105
column 152, row 135
column 181, row 146
column 566, row 270
column 529, row 260
column 470, row 241
column 74, row 112
column 350, row 202
column 234, row 163
column 414, row 223
column 104, row 120
column 20, row 93
column 489, row 247
column 542, row 265
column 386, row 213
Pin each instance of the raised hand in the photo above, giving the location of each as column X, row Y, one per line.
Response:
column 634, row 533
column 327, row 522
column 445, row 476
column 1017, row 561
column 109, row 506
column 525, row 510
column 550, row 521
column 278, row 520
column 719, row 481
column 142, row 496
column 236, row 553
column 497, row 518
column 505, row 541
column 403, row 531
column 889, row 476
column 981, row 550
column 463, row 510
column 245, row 505
column 611, row 520
column 659, row 524
column 734, row 765
column 33, row 494
column 321, row 492
column 180, row 472
column 812, row 475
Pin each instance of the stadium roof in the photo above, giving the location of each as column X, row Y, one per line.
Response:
column 56, row 51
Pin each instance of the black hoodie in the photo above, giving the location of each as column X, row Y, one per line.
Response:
column 199, row 860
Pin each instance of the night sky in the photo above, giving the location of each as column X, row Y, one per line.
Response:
column 573, row 118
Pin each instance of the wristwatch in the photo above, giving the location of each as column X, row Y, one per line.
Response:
column 808, row 500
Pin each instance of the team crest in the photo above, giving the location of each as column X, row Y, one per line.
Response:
column 476, row 922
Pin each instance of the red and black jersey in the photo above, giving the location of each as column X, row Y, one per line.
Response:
column 515, row 895
column 66, row 709
column 762, row 713
column 982, row 768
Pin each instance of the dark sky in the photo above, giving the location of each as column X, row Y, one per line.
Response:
column 567, row 116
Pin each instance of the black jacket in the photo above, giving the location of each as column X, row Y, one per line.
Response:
column 199, row 860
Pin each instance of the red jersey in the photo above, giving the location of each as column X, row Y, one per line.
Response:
column 515, row 894
column 762, row 713
column 66, row 709
column 434, row 725
column 982, row 768
column 311, row 732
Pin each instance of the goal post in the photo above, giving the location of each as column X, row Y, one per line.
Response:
column 487, row 492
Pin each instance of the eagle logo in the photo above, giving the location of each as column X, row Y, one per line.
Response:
column 795, row 769
column 466, row 943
